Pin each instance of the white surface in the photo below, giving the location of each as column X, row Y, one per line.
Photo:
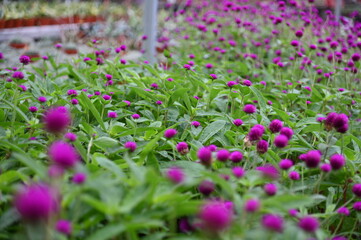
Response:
column 150, row 28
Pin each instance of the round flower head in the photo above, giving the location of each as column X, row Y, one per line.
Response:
column 308, row 224
column 57, row 119
column 262, row 146
column 236, row 157
column 131, row 146
column 175, row 175
column 107, row 97
column 206, row 187
column 33, row 109
column 79, row 178
column 343, row 211
column 231, row 83
column 64, row 227
column 356, row 189
column 18, row 75
column 281, row 141
column 275, row 126
column 195, row 124
column 182, row 148
column 238, row 172
column 252, row 205
column 329, row 120
column 357, row 206
column 268, row 171
column 112, row 115
column 270, row 189
column 36, row 202
column 205, row 155
column 293, row 175
column 223, row 155
column 74, row 101
column 288, row 132
column 237, row 122
column 70, row 136
column 249, row 108
column 337, row 161
column 215, row 216
column 42, row 99
column 135, row 116
column 255, row 133
column 312, row 158
column 169, row 133
column 63, row 154
column 285, row 164
column 24, row 60
column 272, row 222
column 326, row 167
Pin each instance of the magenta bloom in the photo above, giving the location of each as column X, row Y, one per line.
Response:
column 195, row 124
column 237, row 122
column 112, row 115
column 223, row 155
column 249, row 108
column 24, row 60
column 262, row 146
column 308, row 224
column 64, row 227
column 337, row 161
column 276, row 126
column 293, row 175
column 255, row 133
column 135, row 116
column 74, row 101
column 236, row 157
column 36, row 202
column 270, row 189
column 33, row 109
column 272, row 222
column 281, row 141
column 343, row 211
column 356, row 189
column 205, row 155
column 238, row 172
column 269, row 171
column 70, row 136
column 131, row 146
column 107, row 97
column 169, row 133
column 79, row 178
column 206, row 187
column 182, row 148
column 18, row 75
column 252, row 205
column 326, row 167
column 63, row 154
column 312, row 158
column 231, row 83
column 175, row 174
column 215, row 216
column 357, row 206
column 57, row 119
column 42, row 99
column 285, row 164
column 288, row 132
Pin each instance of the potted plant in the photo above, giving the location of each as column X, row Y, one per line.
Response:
column 34, row 55
column 70, row 49
column 18, row 44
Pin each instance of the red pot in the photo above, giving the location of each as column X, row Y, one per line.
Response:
column 18, row 45
column 70, row 51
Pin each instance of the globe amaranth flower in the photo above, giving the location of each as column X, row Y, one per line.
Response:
column 281, row 141
column 293, row 175
column 206, row 187
column 288, row 132
column 236, row 157
column 74, row 101
column 256, row 132
column 231, row 83
column 237, row 122
column 326, row 167
column 182, row 148
column 112, row 115
column 249, row 109
column 175, row 174
column 215, row 216
column 42, row 99
column 107, row 97
column 36, row 202
column 70, row 136
column 276, row 126
column 268, row 171
column 57, row 119
column 205, row 156
column 33, row 109
column 213, row 76
column 132, row 146
column 270, row 189
column 24, row 60
column 159, row 102
column 337, row 161
column 64, row 227
column 356, row 189
column 238, row 172
column 223, row 155
column 79, row 178
column 343, row 211
column 18, row 75
column 252, row 205
column 72, row 92
column 357, row 206
column 262, row 146
column 309, row 224
column 169, row 133
column 312, row 158
column 273, row 222
column 63, row 154
column 195, row 124
column 135, row 116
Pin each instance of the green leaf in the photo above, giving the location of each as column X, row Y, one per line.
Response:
column 107, row 232
column 105, row 142
column 108, row 164
column 211, row 130
column 260, row 98
column 86, row 103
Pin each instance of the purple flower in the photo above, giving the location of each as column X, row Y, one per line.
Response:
column 107, row 97
column 36, row 202
column 70, row 136
column 237, row 122
column 252, row 205
column 215, row 216
column 131, row 146
column 262, row 146
column 343, row 211
column 195, row 124
column 57, row 119
column 63, row 154
column 272, row 222
column 33, row 109
column 308, row 224
column 270, row 189
column 288, row 132
column 276, row 126
column 337, row 161
column 357, row 206
column 112, row 115
column 293, row 175
column 213, row 76
column 18, row 75
column 159, row 102
column 79, row 178
column 223, row 155
column 187, row 66
column 135, row 116
column 24, row 60
column 281, row 141
column 205, row 156
column 58, row 45
column 64, row 227
column 231, row 83
column 72, row 92
column 74, row 101
column 182, row 148
column 169, row 133
column 269, row 171
column 247, row 82
column 175, row 175
column 206, row 187
column 312, row 158
column 236, row 157
column 356, row 189
column 42, row 99
column 255, row 133
column 326, row 167
column 285, row 164
column 238, row 172
column 249, row 108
